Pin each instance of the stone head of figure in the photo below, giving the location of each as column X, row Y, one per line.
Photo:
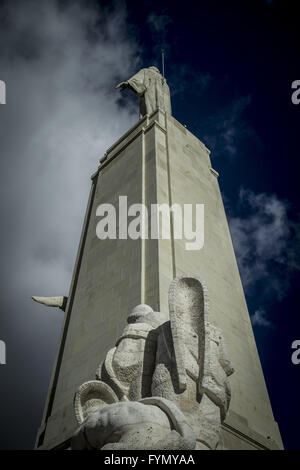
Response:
column 138, row 312
column 145, row 314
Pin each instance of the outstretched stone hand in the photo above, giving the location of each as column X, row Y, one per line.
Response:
column 122, row 85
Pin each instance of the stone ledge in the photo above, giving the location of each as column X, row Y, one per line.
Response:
column 238, row 426
column 108, row 158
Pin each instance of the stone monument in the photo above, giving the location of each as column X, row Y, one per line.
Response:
column 169, row 368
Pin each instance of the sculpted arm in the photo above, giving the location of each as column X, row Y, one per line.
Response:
column 135, row 83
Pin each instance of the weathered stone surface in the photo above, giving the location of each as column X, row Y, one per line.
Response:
column 179, row 367
column 134, row 425
column 90, row 397
column 152, row 89
column 59, row 301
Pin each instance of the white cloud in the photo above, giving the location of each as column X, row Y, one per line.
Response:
column 226, row 130
column 159, row 23
column 259, row 319
column 265, row 242
column 61, row 63
column 183, row 78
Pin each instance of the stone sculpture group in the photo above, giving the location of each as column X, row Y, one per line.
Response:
column 164, row 385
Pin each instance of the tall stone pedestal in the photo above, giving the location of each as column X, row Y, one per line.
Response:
column 156, row 161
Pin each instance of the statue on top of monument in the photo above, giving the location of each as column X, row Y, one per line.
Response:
column 164, row 385
column 152, row 89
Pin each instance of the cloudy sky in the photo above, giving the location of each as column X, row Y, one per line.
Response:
column 230, row 69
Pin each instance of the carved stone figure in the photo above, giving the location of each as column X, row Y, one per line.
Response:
column 164, row 385
column 152, row 89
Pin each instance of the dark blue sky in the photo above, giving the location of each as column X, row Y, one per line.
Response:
column 230, row 66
